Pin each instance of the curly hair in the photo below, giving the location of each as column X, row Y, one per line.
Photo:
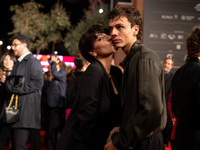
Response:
column 193, row 43
column 133, row 16
column 22, row 38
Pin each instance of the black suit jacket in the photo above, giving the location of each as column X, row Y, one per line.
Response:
column 90, row 119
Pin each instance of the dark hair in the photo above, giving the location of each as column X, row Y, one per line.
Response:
column 79, row 61
column 133, row 16
column 86, row 42
column 3, row 57
column 169, row 58
column 193, row 43
column 22, row 38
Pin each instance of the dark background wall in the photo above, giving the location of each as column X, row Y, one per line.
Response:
column 166, row 25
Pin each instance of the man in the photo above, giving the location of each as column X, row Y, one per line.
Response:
column 167, row 66
column 29, row 93
column 185, row 99
column 143, row 105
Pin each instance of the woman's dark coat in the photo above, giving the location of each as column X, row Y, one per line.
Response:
column 94, row 112
column 186, row 105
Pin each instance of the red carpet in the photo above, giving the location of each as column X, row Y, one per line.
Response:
column 43, row 147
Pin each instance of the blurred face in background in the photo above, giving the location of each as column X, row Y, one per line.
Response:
column 167, row 65
column 8, row 63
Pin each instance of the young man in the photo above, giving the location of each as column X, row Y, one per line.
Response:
column 185, row 99
column 143, row 106
column 29, row 93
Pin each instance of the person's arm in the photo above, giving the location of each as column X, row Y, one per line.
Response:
column 151, row 103
column 36, row 80
column 57, row 74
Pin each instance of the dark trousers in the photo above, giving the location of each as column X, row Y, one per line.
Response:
column 21, row 135
column 4, row 132
column 56, row 124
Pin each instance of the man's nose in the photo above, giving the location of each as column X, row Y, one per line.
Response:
column 114, row 32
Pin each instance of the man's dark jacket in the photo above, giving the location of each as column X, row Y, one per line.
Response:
column 142, row 100
column 29, row 93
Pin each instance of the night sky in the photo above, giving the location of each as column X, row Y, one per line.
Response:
column 74, row 7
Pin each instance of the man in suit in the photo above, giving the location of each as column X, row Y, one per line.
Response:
column 185, row 98
column 143, row 106
column 167, row 66
column 29, row 92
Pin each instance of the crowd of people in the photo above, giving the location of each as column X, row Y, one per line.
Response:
column 98, row 106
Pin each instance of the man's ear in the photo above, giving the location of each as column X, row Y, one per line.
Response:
column 25, row 45
column 135, row 29
column 92, row 53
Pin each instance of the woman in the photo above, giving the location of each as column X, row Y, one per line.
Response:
column 7, row 62
column 55, row 100
column 95, row 109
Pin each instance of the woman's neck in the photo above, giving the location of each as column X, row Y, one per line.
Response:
column 106, row 62
column 7, row 69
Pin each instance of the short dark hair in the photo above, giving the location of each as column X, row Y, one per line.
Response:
column 22, row 38
column 193, row 43
column 169, row 58
column 133, row 16
column 86, row 42
column 79, row 61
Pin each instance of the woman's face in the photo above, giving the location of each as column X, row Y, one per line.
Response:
column 103, row 45
column 8, row 63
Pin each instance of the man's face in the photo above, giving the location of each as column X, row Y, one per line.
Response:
column 167, row 65
column 121, row 32
column 17, row 47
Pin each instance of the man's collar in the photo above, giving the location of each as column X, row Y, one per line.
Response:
column 22, row 57
column 132, row 52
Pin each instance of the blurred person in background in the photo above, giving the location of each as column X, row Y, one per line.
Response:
column 81, row 65
column 56, row 93
column 7, row 62
column 185, row 100
column 168, row 74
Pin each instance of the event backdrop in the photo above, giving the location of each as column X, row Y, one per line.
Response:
column 166, row 25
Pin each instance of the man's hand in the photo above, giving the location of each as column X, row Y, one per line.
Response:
column 54, row 58
column 110, row 146
column 114, row 130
